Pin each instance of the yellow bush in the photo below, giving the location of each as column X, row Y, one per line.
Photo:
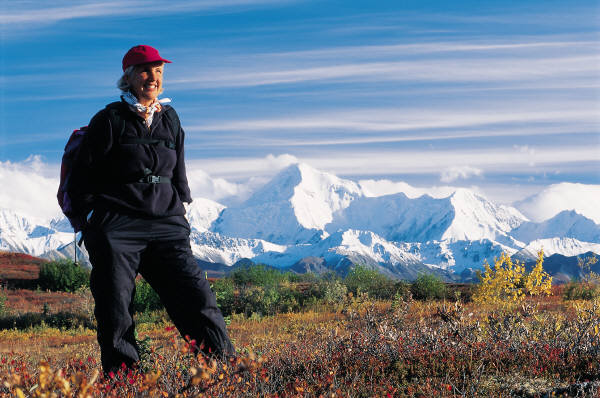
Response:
column 507, row 282
column 538, row 281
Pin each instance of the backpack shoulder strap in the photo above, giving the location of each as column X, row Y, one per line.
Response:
column 173, row 120
column 114, row 116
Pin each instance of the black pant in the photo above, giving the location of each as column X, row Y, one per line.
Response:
column 122, row 246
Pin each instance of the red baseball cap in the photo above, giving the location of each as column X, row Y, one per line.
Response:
column 141, row 54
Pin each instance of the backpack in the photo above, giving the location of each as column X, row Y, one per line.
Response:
column 71, row 152
column 67, row 165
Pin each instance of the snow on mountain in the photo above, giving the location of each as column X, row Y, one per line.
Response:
column 583, row 198
column 477, row 218
column 12, row 223
column 61, row 224
column 366, row 245
column 215, row 248
column 201, row 213
column 67, row 251
column 566, row 224
column 293, row 207
column 463, row 215
column 457, row 255
column 396, row 217
column 30, row 235
column 564, row 246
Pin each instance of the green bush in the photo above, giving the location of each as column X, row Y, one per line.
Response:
column 63, row 275
column 258, row 275
column 224, row 290
column 257, row 299
column 308, row 277
column 428, row 287
column 333, row 291
column 145, row 298
column 580, row 291
column 366, row 280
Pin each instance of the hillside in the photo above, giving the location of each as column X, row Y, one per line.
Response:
column 19, row 266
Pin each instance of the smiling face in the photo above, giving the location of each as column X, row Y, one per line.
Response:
column 146, row 82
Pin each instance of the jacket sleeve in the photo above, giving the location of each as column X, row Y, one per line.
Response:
column 90, row 165
column 180, row 181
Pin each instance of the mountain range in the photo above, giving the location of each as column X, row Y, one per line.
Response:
column 307, row 220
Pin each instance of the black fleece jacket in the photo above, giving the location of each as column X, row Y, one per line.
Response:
column 108, row 171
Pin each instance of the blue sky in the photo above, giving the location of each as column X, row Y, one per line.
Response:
column 502, row 96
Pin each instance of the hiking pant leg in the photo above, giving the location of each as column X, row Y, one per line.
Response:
column 171, row 269
column 114, row 249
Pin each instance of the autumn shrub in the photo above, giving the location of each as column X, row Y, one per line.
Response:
column 63, row 275
column 508, row 282
column 428, row 287
column 145, row 298
column 366, row 280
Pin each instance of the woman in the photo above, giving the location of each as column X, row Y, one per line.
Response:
column 130, row 173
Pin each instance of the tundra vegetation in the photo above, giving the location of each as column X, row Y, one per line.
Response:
column 512, row 334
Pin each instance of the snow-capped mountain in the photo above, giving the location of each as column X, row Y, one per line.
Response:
column 201, row 213
column 463, row 215
column 566, row 224
column 307, row 219
column 566, row 246
column 293, row 207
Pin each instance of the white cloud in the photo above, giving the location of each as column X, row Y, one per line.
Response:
column 203, row 186
column 555, row 198
column 255, row 168
column 30, row 187
column 248, row 173
column 455, row 172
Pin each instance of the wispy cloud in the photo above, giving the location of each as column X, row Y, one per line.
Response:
column 29, row 12
column 499, row 159
column 403, row 119
column 443, row 70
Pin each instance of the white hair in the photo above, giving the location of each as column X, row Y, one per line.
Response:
column 122, row 83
